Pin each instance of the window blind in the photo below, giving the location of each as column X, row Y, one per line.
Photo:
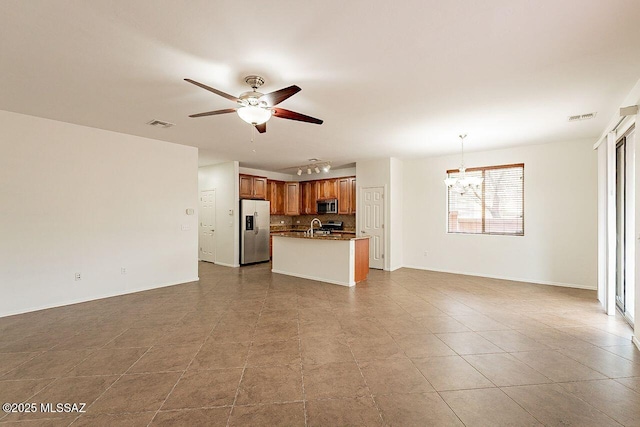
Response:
column 497, row 207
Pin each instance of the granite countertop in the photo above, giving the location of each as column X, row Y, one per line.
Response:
column 277, row 228
column 333, row 236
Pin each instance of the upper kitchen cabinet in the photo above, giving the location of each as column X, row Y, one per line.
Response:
column 327, row 189
column 346, row 195
column 309, row 197
column 353, row 195
column 291, row 198
column 253, row 187
column 275, row 195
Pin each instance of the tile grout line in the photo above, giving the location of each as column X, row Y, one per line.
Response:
column 110, row 386
column 104, row 346
column 304, row 394
column 246, row 361
column 427, row 380
column 361, row 373
column 183, row 372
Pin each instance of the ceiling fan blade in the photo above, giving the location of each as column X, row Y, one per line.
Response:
column 275, row 98
column 216, row 91
column 262, row 128
column 214, row 113
column 292, row 115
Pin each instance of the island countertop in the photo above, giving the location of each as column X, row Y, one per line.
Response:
column 333, row 236
column 341, row 260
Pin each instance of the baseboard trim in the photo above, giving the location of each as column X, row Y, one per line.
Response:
column 635, row 340
column 317, row 279
column 512, row 279
column 224, row 264
column 95, row 298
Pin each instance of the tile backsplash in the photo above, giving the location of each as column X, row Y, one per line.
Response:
column 305, row 220
column 278, row 220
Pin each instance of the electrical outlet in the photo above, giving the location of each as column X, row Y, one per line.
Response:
column 78, row 276
column 123, row 270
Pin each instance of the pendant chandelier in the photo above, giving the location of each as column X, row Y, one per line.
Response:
column 463, row 183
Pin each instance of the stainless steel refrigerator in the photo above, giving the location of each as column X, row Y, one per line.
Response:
column 254, row 231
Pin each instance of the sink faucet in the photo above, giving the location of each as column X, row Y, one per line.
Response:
column 312, row 221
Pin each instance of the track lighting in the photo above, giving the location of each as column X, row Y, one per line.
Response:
column 315, row 165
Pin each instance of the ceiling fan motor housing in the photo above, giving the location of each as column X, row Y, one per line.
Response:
column 254, row 81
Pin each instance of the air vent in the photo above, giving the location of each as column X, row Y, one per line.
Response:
column 160, row 123
column 585, row 116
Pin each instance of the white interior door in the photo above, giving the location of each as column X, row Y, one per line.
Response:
column 207, row 225
column 372, row 223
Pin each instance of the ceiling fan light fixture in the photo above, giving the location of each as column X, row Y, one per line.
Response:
column 254, row 115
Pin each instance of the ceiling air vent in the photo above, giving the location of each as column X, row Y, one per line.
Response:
column 160, row 123
column 585, row 116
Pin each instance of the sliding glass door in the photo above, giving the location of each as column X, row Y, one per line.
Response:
column 620, row 225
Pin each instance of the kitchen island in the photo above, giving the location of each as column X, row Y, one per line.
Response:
column 335, row 258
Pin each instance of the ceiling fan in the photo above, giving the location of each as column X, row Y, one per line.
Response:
column 256, row 108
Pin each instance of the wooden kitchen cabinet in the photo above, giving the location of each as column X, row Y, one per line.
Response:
column 275, row 195
column 253, row 187
column 353, row 195
column 308, row 198
column 291, row 198
column 347, row 195
column 260, row 187
column 344, row 196
column 328, row 189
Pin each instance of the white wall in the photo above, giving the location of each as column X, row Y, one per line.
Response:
column 223, row 178
column 75, row 199
column 277, row 176
column 559, row 245
column 396, row 215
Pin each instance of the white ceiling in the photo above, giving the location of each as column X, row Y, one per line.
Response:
column 399, row 79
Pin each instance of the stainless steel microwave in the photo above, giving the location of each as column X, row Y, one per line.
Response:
column 328, row 206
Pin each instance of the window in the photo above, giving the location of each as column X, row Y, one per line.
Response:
column 496, row 207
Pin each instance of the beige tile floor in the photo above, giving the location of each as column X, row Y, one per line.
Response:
column 246, row 347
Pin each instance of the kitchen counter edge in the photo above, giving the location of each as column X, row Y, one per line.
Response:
column 323, row 237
